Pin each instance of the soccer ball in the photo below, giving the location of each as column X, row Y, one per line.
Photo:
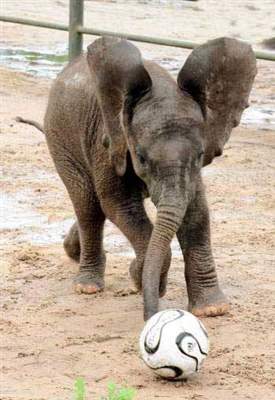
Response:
column 174, row 343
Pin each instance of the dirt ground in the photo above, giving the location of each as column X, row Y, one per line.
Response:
column 48, row 334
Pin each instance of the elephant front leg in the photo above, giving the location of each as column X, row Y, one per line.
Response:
column 204, row 294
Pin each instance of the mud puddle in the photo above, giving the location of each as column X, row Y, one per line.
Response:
column 39, row 63
column 260, row 117
column 25, row 224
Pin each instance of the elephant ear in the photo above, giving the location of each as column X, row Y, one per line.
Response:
column 219, row 76
column 120, row 82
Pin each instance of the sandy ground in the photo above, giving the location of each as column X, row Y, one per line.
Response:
column 48, row 334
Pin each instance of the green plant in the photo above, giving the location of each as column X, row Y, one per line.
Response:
column 79, row 389
column 116, row 393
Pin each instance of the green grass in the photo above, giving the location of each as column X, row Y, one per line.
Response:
column 79, row 389
column 116, row 393
column 113, row 391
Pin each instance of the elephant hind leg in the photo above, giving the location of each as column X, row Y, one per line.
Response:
column 72, row 243
column 87, row 233
column 128, row 214
column 136, row 268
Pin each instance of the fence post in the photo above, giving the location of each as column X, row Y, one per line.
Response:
column 76, row 20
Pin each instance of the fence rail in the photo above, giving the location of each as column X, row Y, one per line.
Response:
column 76, row 31
column 32, row 22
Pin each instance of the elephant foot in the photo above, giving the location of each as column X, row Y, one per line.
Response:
column 136, row 276
column 87, row 283
column 211, row 304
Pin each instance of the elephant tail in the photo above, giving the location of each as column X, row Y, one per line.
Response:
column 30, row 122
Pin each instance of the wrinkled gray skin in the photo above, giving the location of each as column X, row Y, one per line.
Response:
column 119, row 130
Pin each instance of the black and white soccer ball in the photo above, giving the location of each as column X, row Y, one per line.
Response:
column 174, row 343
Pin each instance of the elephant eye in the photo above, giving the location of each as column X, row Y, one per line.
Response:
column 141, row 159
column 140, row 156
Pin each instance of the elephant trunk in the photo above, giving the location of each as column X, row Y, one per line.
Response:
column 169, row 218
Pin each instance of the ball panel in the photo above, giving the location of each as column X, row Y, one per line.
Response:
column 190, row 347
column 153, row 336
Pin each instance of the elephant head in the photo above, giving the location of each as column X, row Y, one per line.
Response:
column 171, row 130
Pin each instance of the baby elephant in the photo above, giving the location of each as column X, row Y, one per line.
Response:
column 120, row 129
